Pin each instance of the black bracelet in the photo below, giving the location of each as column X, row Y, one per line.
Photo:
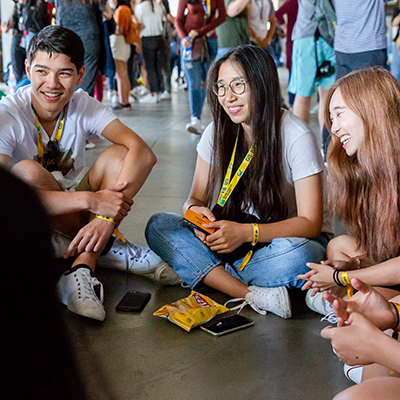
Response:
column 336, row 273
column 396, row 309
column 192, row 205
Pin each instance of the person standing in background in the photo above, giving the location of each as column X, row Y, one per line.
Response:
column 360, row 35
column 168, row 39
column 262, row 13
column 289, row 7
column 151, row 16
column 125, row 35
column 195, row 30
column 235, row 30
column 18, row 53
column 310, row 51
column 81, row 17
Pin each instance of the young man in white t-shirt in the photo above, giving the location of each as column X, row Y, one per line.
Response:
column 43, row 128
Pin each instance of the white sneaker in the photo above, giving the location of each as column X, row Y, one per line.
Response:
column 111, row 93
column 263, row 299
column 75, row 289
column 353, row 373
column 165, row 274
column 321, row 306
column 139, row 91
column 194, row 126
column 165, row 95
column 128, row 257
column 149, row 99
column 114, row 98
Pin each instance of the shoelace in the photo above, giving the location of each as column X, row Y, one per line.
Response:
column 88, row 283
column 330, row 317
column 132, row 251
column 244, row 304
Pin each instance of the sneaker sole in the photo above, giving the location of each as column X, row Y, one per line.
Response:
column 87, row 314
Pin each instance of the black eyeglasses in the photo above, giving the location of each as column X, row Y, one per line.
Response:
column 237, row 85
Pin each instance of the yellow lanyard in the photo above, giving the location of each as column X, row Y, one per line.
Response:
column 57, row 138
column 230, row 184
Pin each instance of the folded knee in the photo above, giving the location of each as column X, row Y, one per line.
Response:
column 28, row 170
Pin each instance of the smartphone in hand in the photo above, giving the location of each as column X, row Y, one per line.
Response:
column 196, row 221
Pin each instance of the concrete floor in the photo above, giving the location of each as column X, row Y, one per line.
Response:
column 139, row 356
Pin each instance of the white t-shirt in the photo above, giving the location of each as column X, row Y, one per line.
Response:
column 301, row 158
column 18, row 137
column 152, row 21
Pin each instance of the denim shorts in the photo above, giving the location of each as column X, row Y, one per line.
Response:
column 304, row 66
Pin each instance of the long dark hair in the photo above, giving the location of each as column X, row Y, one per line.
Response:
column 262, row 184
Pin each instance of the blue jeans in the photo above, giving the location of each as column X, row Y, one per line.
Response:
column 196, row 74
column 277, row 264
column 222, row 51
column 395, row 67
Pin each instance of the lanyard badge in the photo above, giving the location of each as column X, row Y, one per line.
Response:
column 53, row 159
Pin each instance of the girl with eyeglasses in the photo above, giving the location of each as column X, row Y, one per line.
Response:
column 259, row 180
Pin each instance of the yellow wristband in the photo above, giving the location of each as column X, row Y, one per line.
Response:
column 247, row 258
column 346, row 280
column 256, row 234
column 104, row 218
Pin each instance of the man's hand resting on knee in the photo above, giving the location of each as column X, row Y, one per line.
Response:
column 111, row 202
column 94, row 236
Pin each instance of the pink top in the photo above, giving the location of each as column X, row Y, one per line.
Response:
column 195, row 18
column 290, row 8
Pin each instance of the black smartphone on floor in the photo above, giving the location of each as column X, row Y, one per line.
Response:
column 133, row 302
column 227, row 325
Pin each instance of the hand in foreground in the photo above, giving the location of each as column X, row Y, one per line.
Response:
column 357, row 343
column 112, row 202
column 319, row 278
column 367, row 302
column 228, row 236
column 91, row 238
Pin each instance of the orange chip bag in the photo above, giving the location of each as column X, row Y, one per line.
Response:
column 191, row 311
